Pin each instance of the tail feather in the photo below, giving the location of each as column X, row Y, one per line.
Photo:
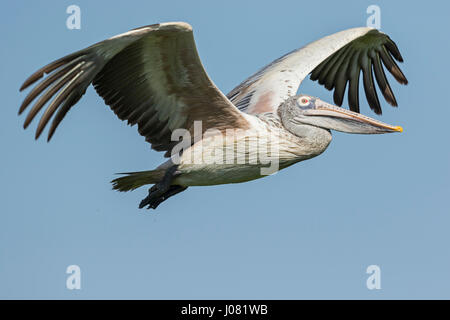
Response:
column 134, row 180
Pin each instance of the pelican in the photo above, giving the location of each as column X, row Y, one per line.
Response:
column 153, row 77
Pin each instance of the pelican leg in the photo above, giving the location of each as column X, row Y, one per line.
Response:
column 162, row 190
column 173, row 190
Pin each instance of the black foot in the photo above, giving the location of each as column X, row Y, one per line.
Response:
column 156, row 195
column 162, row 190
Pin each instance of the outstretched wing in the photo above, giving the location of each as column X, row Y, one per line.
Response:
column 151, row 76
column 334, row 61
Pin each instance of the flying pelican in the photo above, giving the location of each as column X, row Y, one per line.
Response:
column 153, row 77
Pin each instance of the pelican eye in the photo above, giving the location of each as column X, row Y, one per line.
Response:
column 303, row 101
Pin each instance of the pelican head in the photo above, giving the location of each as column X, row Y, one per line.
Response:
column 303, row 111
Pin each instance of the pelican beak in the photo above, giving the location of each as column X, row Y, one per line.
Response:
column 336, row 118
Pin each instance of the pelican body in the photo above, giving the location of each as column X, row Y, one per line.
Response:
column 153, row 78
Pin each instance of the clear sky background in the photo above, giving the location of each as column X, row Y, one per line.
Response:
column 309, row 231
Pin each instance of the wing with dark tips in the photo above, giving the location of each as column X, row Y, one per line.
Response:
column 365, row 54
column 150, row 76
column 335, row 61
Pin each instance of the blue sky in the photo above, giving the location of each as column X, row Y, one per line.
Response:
column 309, row 231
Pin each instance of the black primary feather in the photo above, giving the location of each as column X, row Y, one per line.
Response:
column 365, row 55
